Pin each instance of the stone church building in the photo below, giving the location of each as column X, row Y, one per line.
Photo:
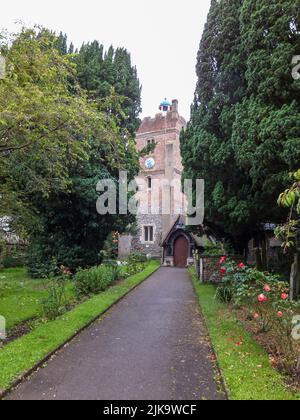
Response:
column 161, row 229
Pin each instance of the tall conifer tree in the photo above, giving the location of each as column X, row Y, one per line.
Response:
column 243, row 137
column 102, row 72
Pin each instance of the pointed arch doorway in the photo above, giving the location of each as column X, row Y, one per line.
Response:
column 181, row 252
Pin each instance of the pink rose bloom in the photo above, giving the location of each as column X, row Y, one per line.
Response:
column 267, row 288
column 222, row 260
column 280, row 314
column 284, row 296
column 262, row 298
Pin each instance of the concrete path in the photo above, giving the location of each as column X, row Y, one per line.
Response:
column 150, row 346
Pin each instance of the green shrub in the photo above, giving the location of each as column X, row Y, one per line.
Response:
column 224, row 293
column 11, row 257
column 139, row 256
column 54, row 304
column 234, row 280
column 40, row 257
column 117, row 269
column 136, row 262
column 12, row 261
column 39, row 267
column 94, row 280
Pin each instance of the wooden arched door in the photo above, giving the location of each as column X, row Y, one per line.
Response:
column 181, row 252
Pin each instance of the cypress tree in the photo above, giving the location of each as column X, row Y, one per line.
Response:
column 62, row 43
column 242, row 137
column 101, row 72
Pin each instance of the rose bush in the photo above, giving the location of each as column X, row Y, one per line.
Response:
column 266, row 300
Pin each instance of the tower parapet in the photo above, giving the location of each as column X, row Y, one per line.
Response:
column 160, row 122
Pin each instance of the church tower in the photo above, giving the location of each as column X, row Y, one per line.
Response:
column 160, row 194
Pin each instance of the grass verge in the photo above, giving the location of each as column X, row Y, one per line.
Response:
column 245, row 365
column 19, row 357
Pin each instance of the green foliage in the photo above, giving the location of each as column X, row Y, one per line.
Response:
column 38, row 266
column 59, row 139
column 11, row 257
column 19, row 291
column 212, row 248
column 290, row 199
column 118, row 272
column 136, row 262
column 243, row 137
column 97, row 279
column 43, row 124
column 267, row 301
column 54, row 304
column 93, row 280
column 99, row 71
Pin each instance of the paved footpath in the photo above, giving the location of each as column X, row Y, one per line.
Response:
column 150, row 346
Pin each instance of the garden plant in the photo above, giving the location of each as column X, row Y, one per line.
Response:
column 265, row 300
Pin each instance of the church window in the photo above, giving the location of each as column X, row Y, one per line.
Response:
column 148, row 233
column 149, row 182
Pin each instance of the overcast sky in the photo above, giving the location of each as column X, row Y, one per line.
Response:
column 162, row 36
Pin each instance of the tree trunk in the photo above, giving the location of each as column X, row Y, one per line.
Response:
column 264, row 255
column 297, row 274
column 295, row 278
column 258, row 259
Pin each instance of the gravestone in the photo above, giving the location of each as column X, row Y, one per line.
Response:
column 125, row 246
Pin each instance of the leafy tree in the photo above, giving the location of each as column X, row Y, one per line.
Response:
column 243, row 135
column 56, row 144
column 42, row 124
column 71, row 231
column 100, row 71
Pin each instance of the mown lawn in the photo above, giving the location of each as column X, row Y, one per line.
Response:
column 244, row 363
column 20, row 296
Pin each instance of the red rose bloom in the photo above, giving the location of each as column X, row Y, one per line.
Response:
column 284, row 296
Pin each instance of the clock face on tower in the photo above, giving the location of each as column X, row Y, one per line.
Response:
column 150, row 163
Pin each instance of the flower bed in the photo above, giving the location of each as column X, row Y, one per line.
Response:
column 264, row 305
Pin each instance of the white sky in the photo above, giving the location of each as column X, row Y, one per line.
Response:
column 162, row 37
